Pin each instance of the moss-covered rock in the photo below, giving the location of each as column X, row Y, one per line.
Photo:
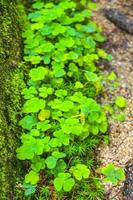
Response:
column 11, row 82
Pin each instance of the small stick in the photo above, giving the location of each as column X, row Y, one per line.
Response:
column 120, row 20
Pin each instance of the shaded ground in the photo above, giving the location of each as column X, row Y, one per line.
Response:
column 120, row 44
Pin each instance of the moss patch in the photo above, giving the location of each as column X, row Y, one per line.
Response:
column 11, row 83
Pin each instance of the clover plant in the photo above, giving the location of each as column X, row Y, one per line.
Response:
column 64, row 181
column 112, row 174
column 62, row 44
column 120, row 102
column 80, row 171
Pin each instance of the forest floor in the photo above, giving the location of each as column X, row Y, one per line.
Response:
column 120, row 45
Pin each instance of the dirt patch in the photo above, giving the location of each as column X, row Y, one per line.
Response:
column 120, row 45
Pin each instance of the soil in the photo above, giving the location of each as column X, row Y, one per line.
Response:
column 120, row 45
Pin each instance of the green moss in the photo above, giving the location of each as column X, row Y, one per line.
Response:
column 11, row 83
column 10, row 107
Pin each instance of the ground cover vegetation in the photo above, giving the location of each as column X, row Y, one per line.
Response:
column 63, row 120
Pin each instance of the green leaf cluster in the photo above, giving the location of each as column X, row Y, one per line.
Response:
column 62, row 45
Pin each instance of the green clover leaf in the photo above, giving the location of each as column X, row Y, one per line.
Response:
column 78, row 85
column 45, row 91
column 37, row 164
column 61, row 105
column 64, row 182
column 29, row 189
column 90, row 28
column 33, row 105
column 120, row 102
column 44, row 125
column 71, row 126
column 33, row 59
column 51, row 162
column 46, row 30
column 28, row 122
column 29, row 93
column 38, row 5
column 54, row 142
column 44, row 47
column 61, row 93
column 30, row 147
column 62, row 138
column 32, row 177
column 58, row 154
column 38, row 73
column 60, row 167
column 43, row 115
column 91, row 76
column 80, row 171
column 113, row 174
column 35, row 132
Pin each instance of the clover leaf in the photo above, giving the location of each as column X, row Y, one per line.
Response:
column 44, row 125
column 32, row 177
column 60, row 167
column 51, row 162
column 56, row 115
column 71, row 126
column 28, row 122
column 58, row 154
column 98, row 37
column 62, row 138
column 102, row 54
column 90, row 106
column 33, row 59
column 34, row 132
column 90, row 28
column 29, row 189
column 92, row 5
column 120, row 102
column 91, row 76
column 78, row 85
column 29, row 93
column 119, row 117
column 112, row 174
column 54, row 142
column 80, row 171
column 38, row 73
column 46, row 30
column 33, row 105
column 38, row 5
column 44, row 91
column 58, row 28
column 43, row 115
column 44, row 47
column 59, row 72
column 37, row 164
column 30, row 148
column 64, row 182
column 112, row 76
column 61, row 93
column 72, row 55
column 61, row 105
